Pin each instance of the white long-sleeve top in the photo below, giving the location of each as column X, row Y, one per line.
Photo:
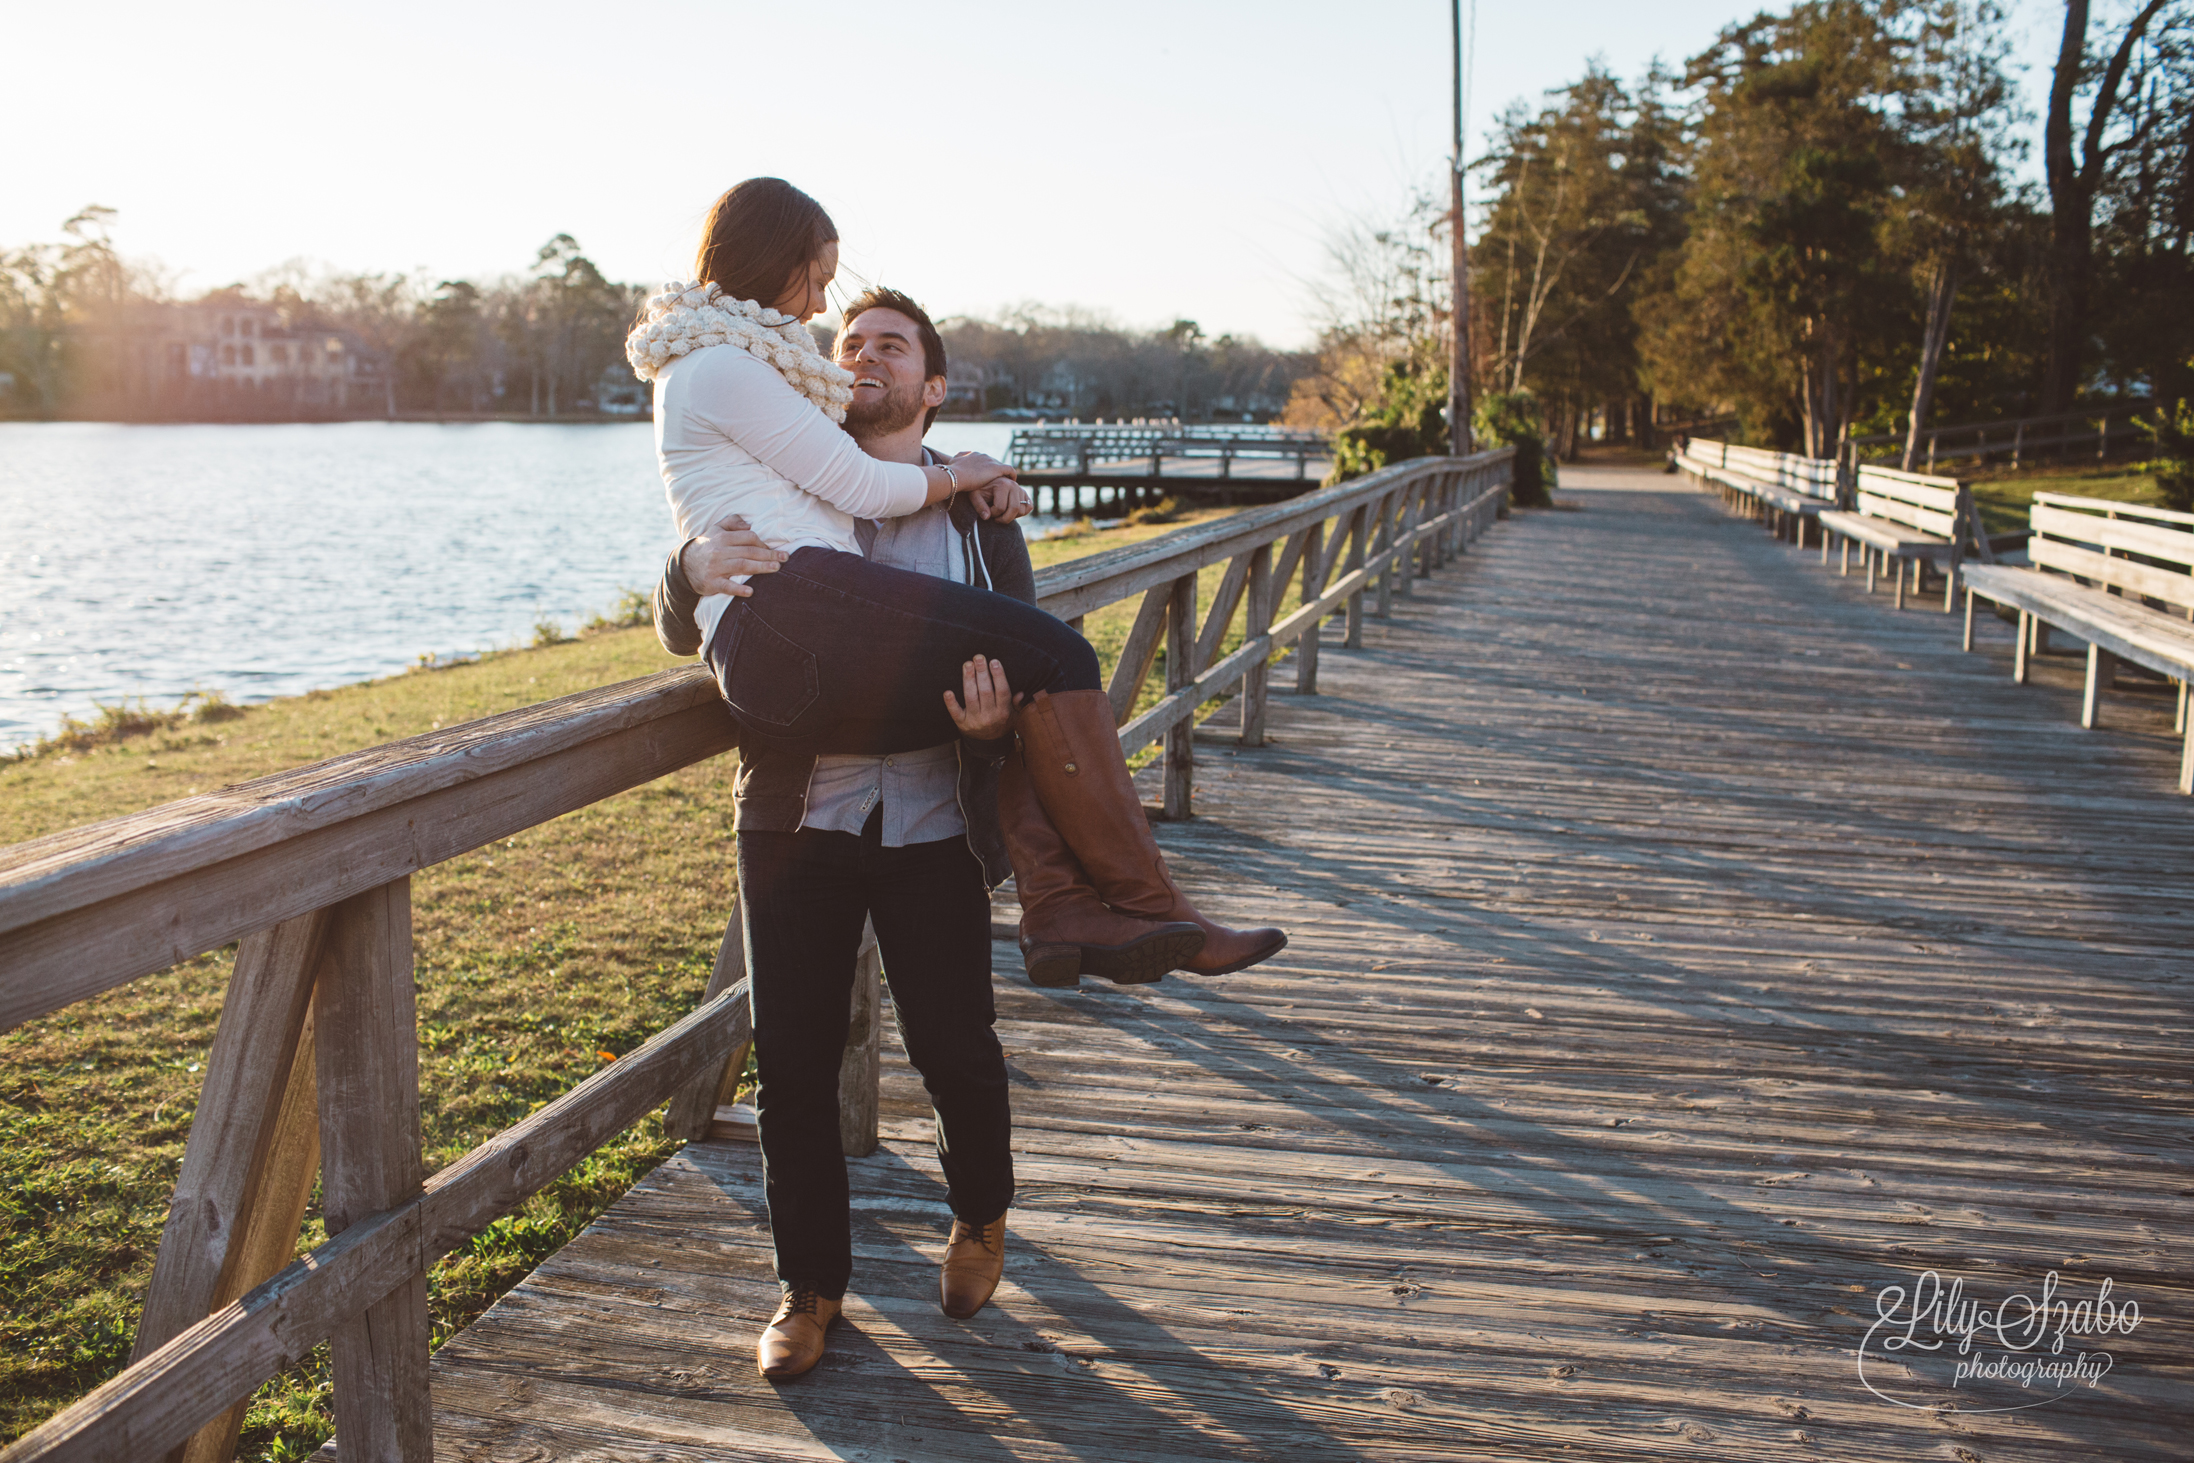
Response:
column 733, row 436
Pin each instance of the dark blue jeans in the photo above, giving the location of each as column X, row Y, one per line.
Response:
column 835, row 654
column 804, row 896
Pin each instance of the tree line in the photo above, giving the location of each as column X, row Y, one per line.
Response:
column 84, row 332
column 1818, row 226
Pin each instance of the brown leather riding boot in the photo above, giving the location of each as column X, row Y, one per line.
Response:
column 1066, row 931
column 793, row 1342
column 1073, row 756
column 974, row 1259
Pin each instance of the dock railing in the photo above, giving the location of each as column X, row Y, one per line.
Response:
column 314, row 1066
column 1078, row 449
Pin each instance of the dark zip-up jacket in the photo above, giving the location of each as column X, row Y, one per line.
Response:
column 770, row 795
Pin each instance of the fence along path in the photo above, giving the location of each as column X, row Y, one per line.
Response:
column 314, row 1069
column 1627, row 1041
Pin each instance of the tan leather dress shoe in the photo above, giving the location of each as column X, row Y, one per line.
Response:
column 793, row 1341
column 975, row 1257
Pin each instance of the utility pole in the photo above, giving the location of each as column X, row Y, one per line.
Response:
column 1460, row 440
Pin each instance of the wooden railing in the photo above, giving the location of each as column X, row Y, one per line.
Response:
column 314, row 1067
column 1077, row 449
column 2095, row 432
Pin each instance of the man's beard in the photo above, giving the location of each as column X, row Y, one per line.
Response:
column 895, row 410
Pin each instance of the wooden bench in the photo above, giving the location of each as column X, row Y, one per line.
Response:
column 2098, row 565
column 1907, row 518
column 1781, row 487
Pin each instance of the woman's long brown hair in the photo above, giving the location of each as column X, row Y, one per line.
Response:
column 761, row 237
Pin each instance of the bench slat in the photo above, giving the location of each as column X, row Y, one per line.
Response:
column 2162, row 584
column 1927, row 520
column 2141, row 511
column 1940, row 491
column 2174, row 545
column 2122, row 627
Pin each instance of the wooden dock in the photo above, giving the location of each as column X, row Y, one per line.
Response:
column 1685, row 946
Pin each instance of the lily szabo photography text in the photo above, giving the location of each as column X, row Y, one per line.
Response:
column 1936, row 1345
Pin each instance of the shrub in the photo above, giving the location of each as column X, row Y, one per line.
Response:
column 1407, row 419
column 1513, row 419
column 2173, row 466
column 1165, row 510
column 547, row 633
column 633, row 607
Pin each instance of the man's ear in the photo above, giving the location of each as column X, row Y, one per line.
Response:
column 933, row 391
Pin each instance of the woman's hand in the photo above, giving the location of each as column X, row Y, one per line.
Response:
column 991, row 487
column 988, row 712
column 730, row 548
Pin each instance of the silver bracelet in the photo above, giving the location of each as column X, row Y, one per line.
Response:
column 952, row 476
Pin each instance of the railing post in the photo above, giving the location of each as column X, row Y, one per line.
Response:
column 254, row 1151
column 367, row 1057
column 861, row 1068
column 1389, row 513
column 1359, row 524
column 1451, row 498
column 1306, row 649
column 693, row 1109
column 1257, row 619
column 1416, row 562
column 1180, row 756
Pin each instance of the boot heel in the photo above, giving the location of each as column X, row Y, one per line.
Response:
column 1053, row 966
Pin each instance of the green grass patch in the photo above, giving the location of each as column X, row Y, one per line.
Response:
column 2003, row 495
column 538, row 958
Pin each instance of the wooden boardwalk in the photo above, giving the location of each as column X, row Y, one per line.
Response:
column 1685, row 946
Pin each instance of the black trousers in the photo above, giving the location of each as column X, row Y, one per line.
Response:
column 834, row 654
column 804, row 897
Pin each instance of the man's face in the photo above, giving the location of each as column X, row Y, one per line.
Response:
column 883, row 350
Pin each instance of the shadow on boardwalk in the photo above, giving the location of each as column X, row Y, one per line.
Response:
column 1684, row 948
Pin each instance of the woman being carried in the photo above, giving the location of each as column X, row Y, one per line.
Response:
column 834, row 654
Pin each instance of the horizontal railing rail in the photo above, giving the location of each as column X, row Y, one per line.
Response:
column 2106, row 429
column 314, row 1067
column 1077, row 448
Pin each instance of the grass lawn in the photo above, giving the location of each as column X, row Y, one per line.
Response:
column 538, row 959
column 2003, row 496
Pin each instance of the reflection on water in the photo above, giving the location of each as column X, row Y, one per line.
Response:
column 266, row 560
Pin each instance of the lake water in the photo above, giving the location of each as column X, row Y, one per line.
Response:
column 262, row 561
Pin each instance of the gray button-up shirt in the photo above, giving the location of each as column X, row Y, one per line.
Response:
column 920, row 791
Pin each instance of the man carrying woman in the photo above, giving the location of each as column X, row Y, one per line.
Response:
column 841, row 670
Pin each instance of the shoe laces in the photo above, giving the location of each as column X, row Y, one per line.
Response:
column 800, row 1300
column 990, row 1236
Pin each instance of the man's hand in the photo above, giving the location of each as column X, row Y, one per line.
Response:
column 990, row 487
column 730, row 548
column 1003, row 501
column 988, row 713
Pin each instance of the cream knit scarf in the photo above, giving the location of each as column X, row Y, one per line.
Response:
column 688, row 317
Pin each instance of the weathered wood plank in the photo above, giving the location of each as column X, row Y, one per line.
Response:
column 366, row 1021
column 270, row 1240
column 1140, row 651
column 239, row 1117
column 104, row 905
column 694, row 1108
column 1181, row 672
column 859, row 1068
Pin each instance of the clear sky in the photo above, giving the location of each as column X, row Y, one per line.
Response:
column 1147, row 158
